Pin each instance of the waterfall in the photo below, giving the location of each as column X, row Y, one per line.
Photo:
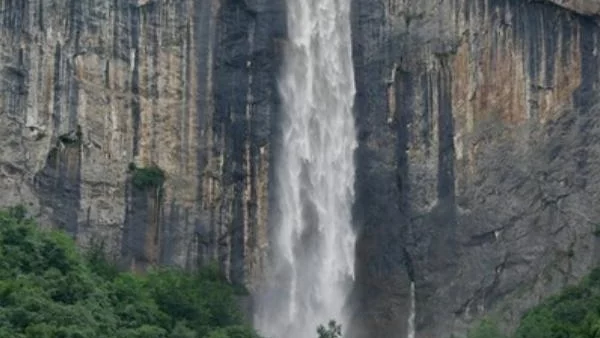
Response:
column 314, row 242
column 413, row 312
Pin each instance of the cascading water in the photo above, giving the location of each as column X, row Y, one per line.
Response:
column 413, row 312
column 314, row 246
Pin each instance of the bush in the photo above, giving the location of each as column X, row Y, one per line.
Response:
column 49, row 289
column 575, row 312
column 150, row 177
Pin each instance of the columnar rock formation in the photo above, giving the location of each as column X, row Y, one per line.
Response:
column 477, row 167
column 90, row 86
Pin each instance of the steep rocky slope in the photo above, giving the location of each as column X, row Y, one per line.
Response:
column 478, row 162
column 477, row 167
column 90, row 87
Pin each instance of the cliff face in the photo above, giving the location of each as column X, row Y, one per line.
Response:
column 92, row 89
column 477, row 169
column 585, row 7
column 477, row 172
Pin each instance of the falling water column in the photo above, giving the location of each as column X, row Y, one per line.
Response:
column 413, row 312
column 314, row 243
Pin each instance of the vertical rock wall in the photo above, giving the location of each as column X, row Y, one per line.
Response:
column 477, row 167
column 92, row 88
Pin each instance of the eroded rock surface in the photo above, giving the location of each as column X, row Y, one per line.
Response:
column 91, row 88
column 477, row 167
column 585, row 7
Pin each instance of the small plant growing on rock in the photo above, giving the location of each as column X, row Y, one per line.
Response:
column 149, row 177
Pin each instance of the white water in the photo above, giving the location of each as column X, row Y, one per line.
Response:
column 315, row 240
column 413, row 312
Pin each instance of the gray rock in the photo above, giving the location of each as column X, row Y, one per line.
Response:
column 476, row 176
column 186, row 85
column 476, row 170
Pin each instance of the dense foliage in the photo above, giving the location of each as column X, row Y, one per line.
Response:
column 145, row 178
column 574, row 313
column 48, row 289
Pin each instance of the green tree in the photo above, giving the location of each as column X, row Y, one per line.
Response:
column 575, row 312
column 48, row 288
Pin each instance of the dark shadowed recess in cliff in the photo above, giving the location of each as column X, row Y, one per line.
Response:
column 59, row 180
column 437, row 229
column 404, row 117
column 265, row 102
column 235, row 31
column 170, row 223
column 245, row 70
column 58, row 183
column 426, row 87
column 585, row 95
column 135, row 77
column 141, row 244
column 446, row 193
column 75, row 18
column 382, row 209
column 275, row 148
column 57, row 90
column 123, row 31
column 200, row 57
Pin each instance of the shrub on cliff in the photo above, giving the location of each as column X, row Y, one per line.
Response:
column 48, row 289
column 147, row 177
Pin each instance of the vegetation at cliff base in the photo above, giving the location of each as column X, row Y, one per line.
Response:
column 573, row 313
column 49, row 289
